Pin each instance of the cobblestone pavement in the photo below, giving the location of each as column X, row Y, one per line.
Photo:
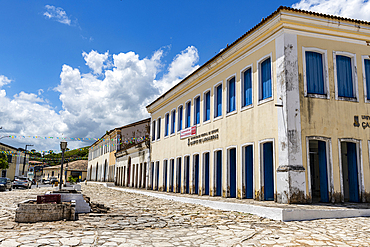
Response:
column 139, row 220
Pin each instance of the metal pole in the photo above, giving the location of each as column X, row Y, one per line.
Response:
column 61, row 171
column 25, row 156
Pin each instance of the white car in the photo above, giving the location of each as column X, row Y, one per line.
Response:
column 22, row 182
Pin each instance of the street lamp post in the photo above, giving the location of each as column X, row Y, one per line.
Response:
column 63, row 147
column 25, row 156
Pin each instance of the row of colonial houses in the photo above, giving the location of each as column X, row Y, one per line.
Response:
column 283, row 114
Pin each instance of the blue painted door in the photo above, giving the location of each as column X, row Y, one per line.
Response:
column 232, row 160
column 248, row 159
column 324, row 191
column 218, row 173
column 206, row 173
column 196, row 174
column 172, row 169
column 165, row 177
column 152, row 176
column 179, row 175
column 268, row 174
column 157, row 175
column 187, row 174
column 352, row 172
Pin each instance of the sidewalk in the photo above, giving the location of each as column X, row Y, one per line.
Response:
column 267, row 209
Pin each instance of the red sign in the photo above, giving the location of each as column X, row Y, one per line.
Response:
column 188, row 132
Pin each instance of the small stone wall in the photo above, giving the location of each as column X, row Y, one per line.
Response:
column 30, row 212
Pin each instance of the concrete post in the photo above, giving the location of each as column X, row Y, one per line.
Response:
column 290, row 176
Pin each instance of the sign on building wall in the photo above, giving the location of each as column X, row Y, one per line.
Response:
column 204, row 137
column 365, row 121
column 188, row 132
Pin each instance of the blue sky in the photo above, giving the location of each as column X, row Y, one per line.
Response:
column 79, row 68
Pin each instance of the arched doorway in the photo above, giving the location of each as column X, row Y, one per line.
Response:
column 105, row 170
column 97, row 170
column 129, row 171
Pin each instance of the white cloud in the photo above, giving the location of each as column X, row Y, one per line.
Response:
column 356, row 9
column 29, row 97
column 93, row 103
column 95, row 61
column 182, row 65
column 58, row 14
column 4, row 80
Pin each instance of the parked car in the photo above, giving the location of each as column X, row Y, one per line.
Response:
column 46, row 181
column 53, row 180
column 22, row 182
column 5, row 183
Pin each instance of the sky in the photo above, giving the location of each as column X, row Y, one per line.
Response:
column 76, row 69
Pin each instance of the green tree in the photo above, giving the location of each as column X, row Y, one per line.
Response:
column 3, row 162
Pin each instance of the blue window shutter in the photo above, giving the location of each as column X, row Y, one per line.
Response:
column 344, row 76
column 167, row 124
column 173, row 115
column 188, row 115
column 367, row 75
column 266, row 79
column 153, row 131
column 232, row 95
column 208, row 110
column 159, row 128
column 219, row 101
column 180, row 118
column 247, row 87
column 314, row 73
column 197, row 111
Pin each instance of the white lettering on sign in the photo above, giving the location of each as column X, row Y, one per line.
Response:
column 188, row 132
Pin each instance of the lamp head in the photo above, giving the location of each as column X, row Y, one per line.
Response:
column 63, row 145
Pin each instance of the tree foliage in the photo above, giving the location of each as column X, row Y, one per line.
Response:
column 55, row 158
column 3, row 162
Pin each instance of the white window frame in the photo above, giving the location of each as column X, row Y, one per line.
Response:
column 259, row 62
column 183, row 181
column 360, row 167
column 215, row 100
column 164, row 183
column 228, row 79
column 242, row 158
column 204, row 106
column 186, row 109
column 329, row 164
column 192, row 173
column 171, row 118
column 261, row 173
column 228, row 170
column 153, row 135
column 203, row 174
column 165, row 126
column 242, row 91
column 325, row 71
column 363, row 58
column 200, row 110
column 178, row 118
column 354, row 75
column 214, row 189
column 159, row 127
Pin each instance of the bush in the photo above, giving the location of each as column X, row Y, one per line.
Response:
column 72, row 180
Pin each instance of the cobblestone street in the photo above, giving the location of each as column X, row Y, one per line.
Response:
column 138, row 220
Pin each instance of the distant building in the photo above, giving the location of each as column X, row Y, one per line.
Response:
column 102, row 160
column 35, row 170
column 16, row 161
column 76, row 169
column 133, row 155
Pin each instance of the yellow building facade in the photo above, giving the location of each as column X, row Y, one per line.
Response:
column 15, row 160
column 102, row 160
column 281, row 114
